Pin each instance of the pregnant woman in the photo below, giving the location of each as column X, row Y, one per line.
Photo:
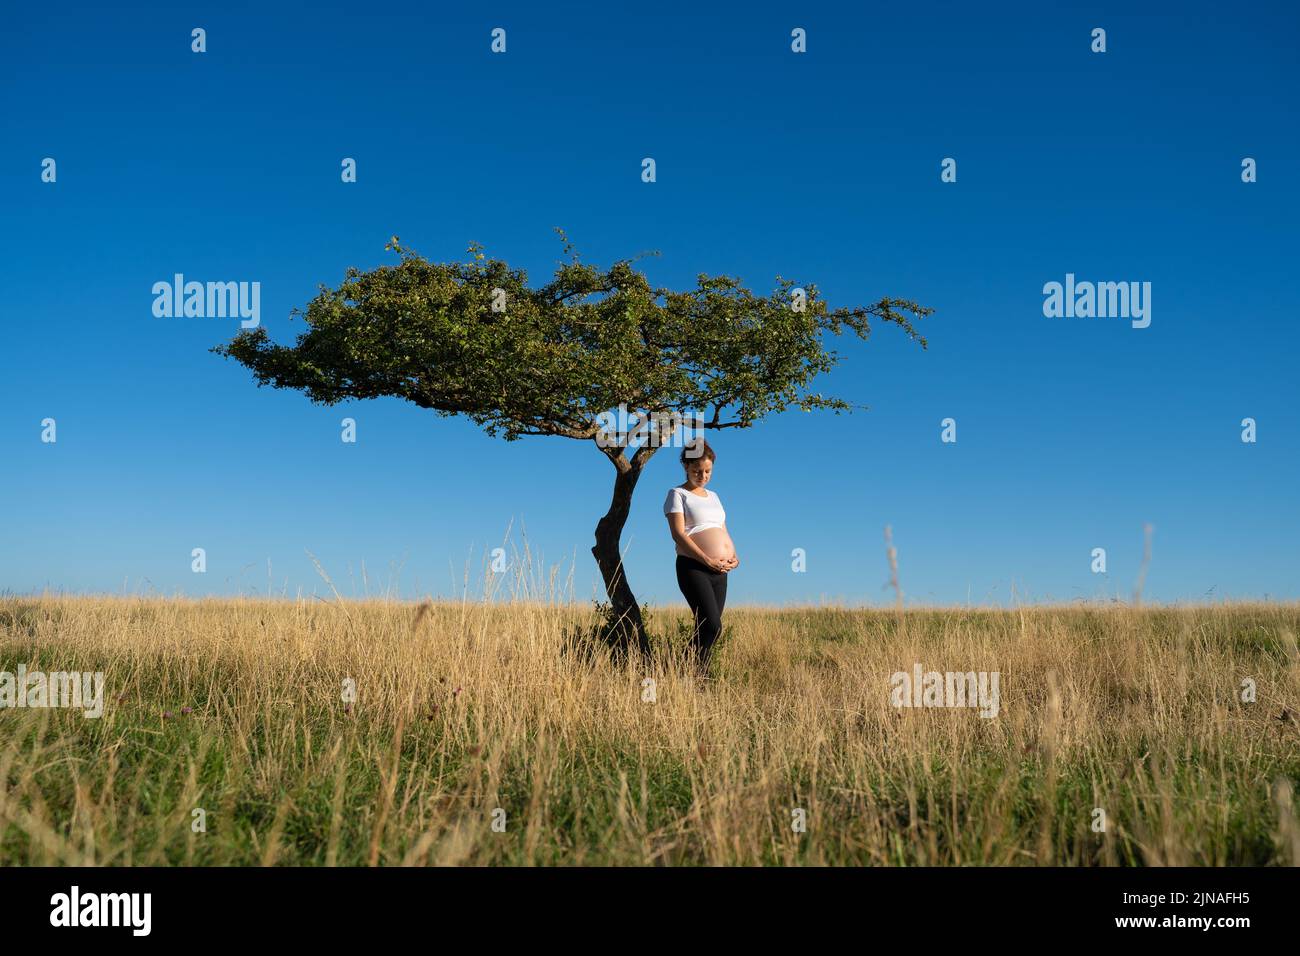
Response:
column 705, row 554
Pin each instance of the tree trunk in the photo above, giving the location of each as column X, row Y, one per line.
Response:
column 627, row 629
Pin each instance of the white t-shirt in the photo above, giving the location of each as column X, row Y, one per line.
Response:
column 698, row 513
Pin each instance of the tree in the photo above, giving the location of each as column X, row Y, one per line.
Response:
column 471, row 338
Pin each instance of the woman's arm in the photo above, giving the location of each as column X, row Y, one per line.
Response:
column 677, row 527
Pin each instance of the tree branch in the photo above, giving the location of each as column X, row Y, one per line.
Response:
column 643, row 455
column 615, row 455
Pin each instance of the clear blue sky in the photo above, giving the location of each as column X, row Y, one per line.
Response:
column 824, row 167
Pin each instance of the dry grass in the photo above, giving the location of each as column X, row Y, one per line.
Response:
column 466, row 708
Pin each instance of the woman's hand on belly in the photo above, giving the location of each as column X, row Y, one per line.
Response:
column 716, row 544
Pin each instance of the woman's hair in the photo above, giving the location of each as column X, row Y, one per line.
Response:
column 692, row 453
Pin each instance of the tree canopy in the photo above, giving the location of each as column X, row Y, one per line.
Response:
column 554, row 358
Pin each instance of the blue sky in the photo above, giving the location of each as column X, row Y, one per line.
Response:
column 824, row 167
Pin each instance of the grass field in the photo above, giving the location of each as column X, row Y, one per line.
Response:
column 466, row 715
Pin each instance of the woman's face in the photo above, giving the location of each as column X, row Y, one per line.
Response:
column 699, row 471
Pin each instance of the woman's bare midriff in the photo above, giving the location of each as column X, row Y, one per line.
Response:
column 715, row 542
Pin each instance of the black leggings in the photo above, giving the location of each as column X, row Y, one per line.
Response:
column 705, row 591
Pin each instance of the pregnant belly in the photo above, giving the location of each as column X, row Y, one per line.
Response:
column 715, row 542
